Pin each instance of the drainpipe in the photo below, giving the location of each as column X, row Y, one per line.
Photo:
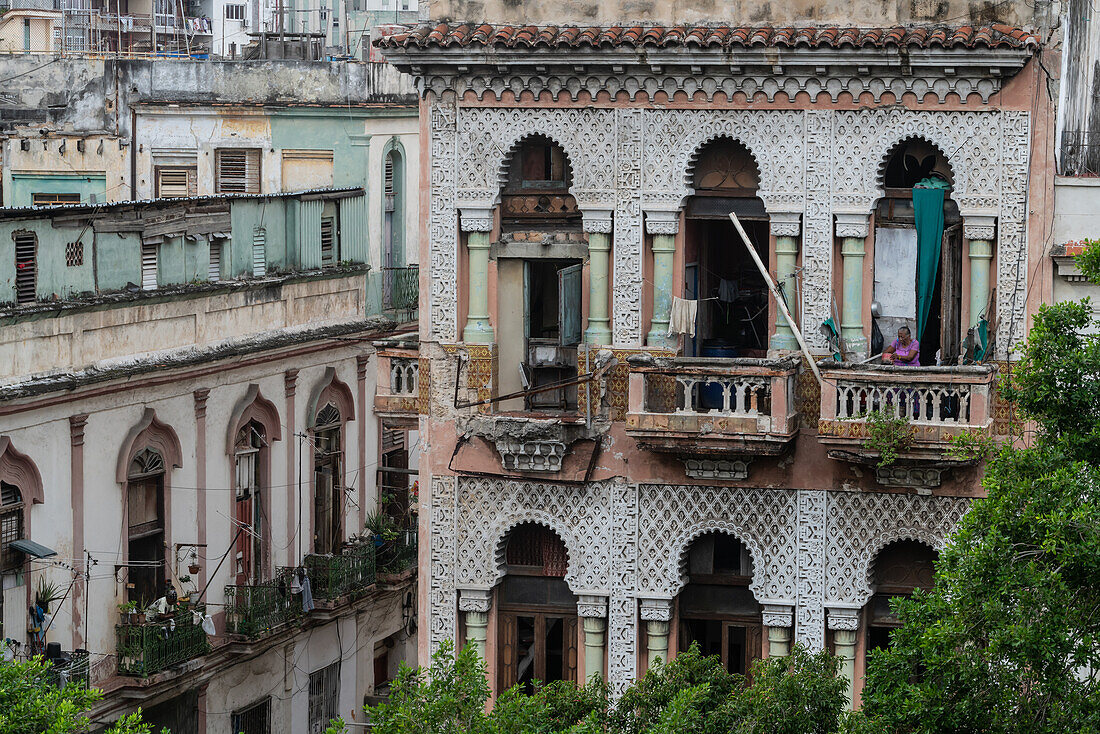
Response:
column 133, row 154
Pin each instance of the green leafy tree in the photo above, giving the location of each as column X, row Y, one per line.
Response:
column 32, row 703
column 1009, row 638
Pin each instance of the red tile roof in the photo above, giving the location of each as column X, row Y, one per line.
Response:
column 721, row 36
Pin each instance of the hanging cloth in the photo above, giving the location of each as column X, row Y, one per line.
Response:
column 682, row 318
column 307, row 596
column 727, row 290
column 928, row 211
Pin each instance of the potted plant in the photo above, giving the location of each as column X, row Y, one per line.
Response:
column 130, row 612
column 46, row 594
column 193, row 569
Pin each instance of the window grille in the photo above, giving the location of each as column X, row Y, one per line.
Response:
column 52, row 199
column 256, row 719
column 259, row 252
column 148, row 266
column 234, row 12
column 74, row 254
column 214, row 272
column 328, row 241
column 328, row 416
column 147, row 462
column 531, row 544
column 237, row 171
column 324, row 694
column 175, row 183
column 26, row 267
column 11, row 525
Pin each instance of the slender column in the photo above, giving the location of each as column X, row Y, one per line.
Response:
column 76, row 487
column 200, row 397
column 663, row 226
column 474, row 605
column 293, row 477
column 844, row 623
column 361, row 380
column 786, row 228
column 853, row 229
column 979, row 231
column 598, row 226
column 778, row 619
column 477, row 223
column 657, row 615
column 593, row 611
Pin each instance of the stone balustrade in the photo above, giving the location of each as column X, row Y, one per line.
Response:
column 398, row 378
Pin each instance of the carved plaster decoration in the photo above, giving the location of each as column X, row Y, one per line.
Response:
column 589, row 605
column 716, row 469
column 672, row 517
column 840, row 618
column 475, row 600
column 442, row 223
column 662, row 222
column 622, row 630
column 778, row 615
column 810, row 614
column 852, row 225
column 597, row 221
column 656, row 610
column 861, row 524
column 786, row 224
column 539, row 456
column 476, row 220
column 979, row 226
column 442, row 621
column 908, row 476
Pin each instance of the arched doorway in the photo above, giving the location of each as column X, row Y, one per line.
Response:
column 537, row 612
column 898, row 570
column 250, row 469
column 716, row 608
column 539, row 275
column 917, row 264
column 145, row 514
column 328, row 464
column 732, row 318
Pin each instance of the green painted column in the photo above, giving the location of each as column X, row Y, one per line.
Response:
column 477, row 228
column 475, row 605
column 853, row 228
column 593, row 613
column 778, row 619
column 845, row 643
column 786, row 228
column 657, row 615
column 663, row 226
column 979, row 231
column 599, row 271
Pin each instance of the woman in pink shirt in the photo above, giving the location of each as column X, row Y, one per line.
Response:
column 904, row 352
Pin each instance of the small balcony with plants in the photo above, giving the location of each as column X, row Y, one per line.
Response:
column 262, row 608
column 711, row 406
column 902, row 419
column 336, row 576
column 150, row 642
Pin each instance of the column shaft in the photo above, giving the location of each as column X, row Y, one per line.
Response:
column 981, row 258
column 786, row 263
column 477, row 626
column 664, row 249
column 595, row 635
column 478, row 330
column 845, row 642
column 851, row 317
column 656, row 642
column 779, row 642
column 599, row 324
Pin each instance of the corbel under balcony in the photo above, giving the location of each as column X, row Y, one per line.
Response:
column 714, row 413
column 506, row 445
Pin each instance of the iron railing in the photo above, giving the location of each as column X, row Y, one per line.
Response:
column 333, row 576
column 255, row 610
column 398, row 555
column 401, row 288
column 1080, row 153
column 144, row 649
column 72, row 668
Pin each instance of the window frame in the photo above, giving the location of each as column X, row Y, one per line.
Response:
column 26, row 267
column 239, row 14
column 324, row 697
column 248, row 180
column 239, row 721
column 11, row 560
column 190, row 184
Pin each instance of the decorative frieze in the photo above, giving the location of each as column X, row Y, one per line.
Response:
column 716, row 469
column 843, row 618
column 533, row 456
column 908, row 476
column 655, row 610
column 589, row 605
column 778, row 615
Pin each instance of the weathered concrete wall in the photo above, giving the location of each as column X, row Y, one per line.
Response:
column 741, row 12
column 1079, row 92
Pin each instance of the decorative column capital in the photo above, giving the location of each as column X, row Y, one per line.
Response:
column 785, row 224
column 656, row 610
column 361, row 361
column 476, row 219
column 843, row 618
column 200, row 403
column 591, row 605
column 290, row 382
column 778, row 615
column 475, row 600
column 662, row 222
column 855, row 225
column 76, row 428
column 979, row 226
column 597, row 221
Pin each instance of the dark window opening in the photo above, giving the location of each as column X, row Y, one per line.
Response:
column 537, row 187
column 11, row 526
column 324, row 697
column 26, row 267
column 145, row 518
column 255, row 719
column 552, row 324
column 328, row 481
column 899, row 569
column 251, row 508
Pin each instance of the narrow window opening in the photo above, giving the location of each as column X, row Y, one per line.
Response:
column 26, row 267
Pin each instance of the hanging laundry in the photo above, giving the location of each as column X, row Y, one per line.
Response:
column 208, row 625
column 682, row 318
column 307, row 596
column 727, row 291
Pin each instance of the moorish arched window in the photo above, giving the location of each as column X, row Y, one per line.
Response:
column 328, row 462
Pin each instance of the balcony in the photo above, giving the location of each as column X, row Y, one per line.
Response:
column 259, row 609
column 401, row 289
column 711, row 407
column 395, row 557
column 398, row 385
column 938, row 403
column 333, row 577
column 150, row 647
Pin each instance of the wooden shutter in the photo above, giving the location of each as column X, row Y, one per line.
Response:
column 506, row 651
column 328, row 241
column 569, row 659
column 259, row 252
column 26, row 267
column 175, row 183
column 148, row 266
column 214, row 273
column 951, row 295
column 237, row 171
column 569, row 306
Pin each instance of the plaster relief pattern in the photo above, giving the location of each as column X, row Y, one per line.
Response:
column 442, row 223
column 861, row 524
column 622, row 612
column 809, row 625
column 442, row 623
column 671, row 517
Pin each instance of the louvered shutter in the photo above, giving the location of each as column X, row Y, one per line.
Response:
column 214, row 273
column 328, row 241
column 148, row 266
column 173, row 183
column 259, row 252
column 237, row 171
column 26, row 268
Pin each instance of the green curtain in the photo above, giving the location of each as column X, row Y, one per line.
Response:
column 928, row 210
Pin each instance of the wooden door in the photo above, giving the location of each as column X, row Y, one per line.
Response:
column 951, row 295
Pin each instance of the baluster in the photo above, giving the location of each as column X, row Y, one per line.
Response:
column 753, row 407
column 843, row 395
column 682, row 404
column 964, row 405
column 394, row 378
column 938, row 396
column 414, row 368
column 728, row 398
